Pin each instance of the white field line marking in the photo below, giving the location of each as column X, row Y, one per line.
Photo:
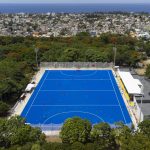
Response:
column 90, row 74
column 76, row 105
column 72, row 112
column 36, row 95
column 117, row 98
column 76, row 90
column 78, row 79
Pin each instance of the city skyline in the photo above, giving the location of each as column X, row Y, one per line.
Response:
column 73, row 1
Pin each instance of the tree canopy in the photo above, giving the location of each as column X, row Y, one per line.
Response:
column 75, row 130
column 14, row 131
column 147, row 73
column 16, row 135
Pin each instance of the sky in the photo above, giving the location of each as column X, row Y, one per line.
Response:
column 74, row 1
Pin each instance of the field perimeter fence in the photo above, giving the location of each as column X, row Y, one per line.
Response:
column 48, row 127
column 57, row 127
column 76, row 64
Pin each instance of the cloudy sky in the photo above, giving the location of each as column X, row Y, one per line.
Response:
column 74, row 1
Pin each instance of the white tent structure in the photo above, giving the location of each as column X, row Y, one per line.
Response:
column 29, row 87
column 133, row 86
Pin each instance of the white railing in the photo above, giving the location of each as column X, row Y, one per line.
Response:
column 48, row 127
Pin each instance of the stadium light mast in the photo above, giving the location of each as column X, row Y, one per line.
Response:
column 36, row 50
column 115, row 51
column 142, row 93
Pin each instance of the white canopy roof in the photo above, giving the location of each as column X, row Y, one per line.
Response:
column 138, row 82
column 130, row 83
column 29, row 87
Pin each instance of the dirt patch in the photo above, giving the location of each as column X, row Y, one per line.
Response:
column 53, row 139
column 141, row 71
column 146, row 62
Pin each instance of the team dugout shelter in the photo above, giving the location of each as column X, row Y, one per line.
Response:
column 133, row 87
column 133, row 90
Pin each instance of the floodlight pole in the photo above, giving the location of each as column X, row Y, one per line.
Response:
column 142, row 92
column 115, row 51
column 36, row 56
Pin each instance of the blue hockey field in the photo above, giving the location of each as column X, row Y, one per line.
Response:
column 89, row 94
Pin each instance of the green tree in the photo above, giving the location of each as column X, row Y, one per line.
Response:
column 147, row 73
column 144, row 128
column 77, row 146
column 83, row 34
column 55, row 146
column 4, row 108
column 71, row 54
column 147, row 48
column 36, row 147
column 135, row 142
column 122, row 134
column 75, row 130
column 14, row 131
column 24, row 147
column 104, row 38
column 101, row 134
column 90, row 146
